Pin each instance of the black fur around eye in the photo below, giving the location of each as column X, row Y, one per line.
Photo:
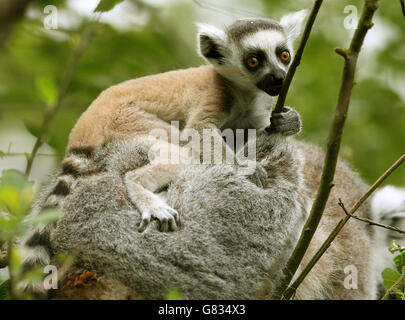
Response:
column 254, row 59
column 283, row 54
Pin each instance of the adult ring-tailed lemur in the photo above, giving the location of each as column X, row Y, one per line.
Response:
column 237, row 229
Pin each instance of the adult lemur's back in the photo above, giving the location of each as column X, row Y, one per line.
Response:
column 233, row 232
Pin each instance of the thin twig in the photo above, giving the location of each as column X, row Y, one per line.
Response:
column 402, row 6
column 14, row 291
column 291, row 290
column 369, row 221
column 50, row 113
column 392, row 293
column 25, row 154
column 350, row 57
column 297, row 59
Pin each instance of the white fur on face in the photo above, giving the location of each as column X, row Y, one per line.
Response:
column 268, row 41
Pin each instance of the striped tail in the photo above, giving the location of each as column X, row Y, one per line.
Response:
column 37, row 244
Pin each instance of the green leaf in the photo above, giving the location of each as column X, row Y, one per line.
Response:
column 14, row 178
column 5, row 290
column 390, row 276
column 173, row 294
column 47, row 89
column 106, row 5
column 8, row 228
column 400, row 294
column 399, row 261
column 16, row 193
column 396, row 248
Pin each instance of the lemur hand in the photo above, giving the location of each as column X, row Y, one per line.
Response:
column 287, row 122
column 168, row 218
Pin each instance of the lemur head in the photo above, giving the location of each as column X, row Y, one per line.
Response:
column 253, row 53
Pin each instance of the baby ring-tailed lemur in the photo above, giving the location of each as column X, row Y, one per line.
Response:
column 247, row 64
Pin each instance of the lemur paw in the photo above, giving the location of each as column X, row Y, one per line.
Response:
column 168, row 217
column 287, row 122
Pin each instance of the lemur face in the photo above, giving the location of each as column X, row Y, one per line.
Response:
column 254, row 54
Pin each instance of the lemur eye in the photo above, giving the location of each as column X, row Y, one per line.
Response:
column 253, row 62
column 285, row 56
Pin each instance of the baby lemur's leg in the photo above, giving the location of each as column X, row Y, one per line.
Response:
column 203, row 127
column 167, row 161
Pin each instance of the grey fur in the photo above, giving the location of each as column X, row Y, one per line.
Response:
column 232, row 230
column 242, row 28
column 236, row 227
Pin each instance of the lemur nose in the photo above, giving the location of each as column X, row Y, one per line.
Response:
column 272, row 82
column 277, row 78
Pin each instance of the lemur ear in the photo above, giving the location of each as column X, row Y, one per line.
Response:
column 292, row 23
column 211, row 43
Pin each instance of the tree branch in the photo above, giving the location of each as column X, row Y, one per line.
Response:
column 371, row 222
column 391, row 293
column 333, row 146
column 402, row 2
column 297, row 58
column 11, row 11
column 50, row 113
column 291, row 290
column 3, row 257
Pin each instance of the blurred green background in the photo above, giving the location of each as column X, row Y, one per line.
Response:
column 138, row 38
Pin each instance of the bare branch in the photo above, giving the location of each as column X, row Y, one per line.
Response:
column 50, row 113
column 297, row 58
column 333, row 146
column 371, row 222
column 291, row 290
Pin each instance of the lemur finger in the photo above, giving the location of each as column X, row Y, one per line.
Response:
column 287, row 122
column 172, row 224
column 164, row 224
column 289, row 128
column 144, row 222
column 176, row 217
